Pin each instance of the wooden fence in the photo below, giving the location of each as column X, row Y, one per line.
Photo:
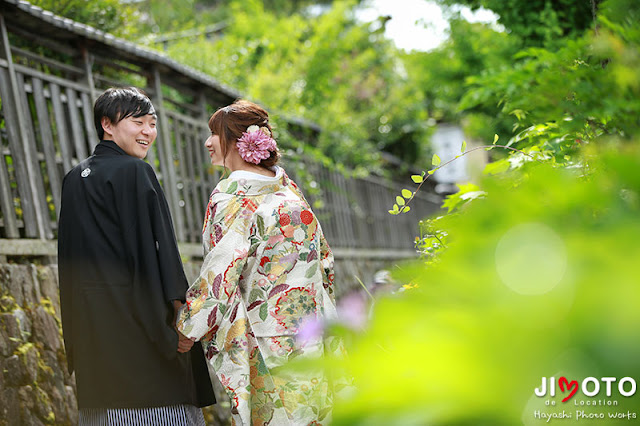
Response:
column 51, row 70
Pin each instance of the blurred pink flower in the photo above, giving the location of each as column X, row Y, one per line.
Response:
column 352, row 310
column 311, row 329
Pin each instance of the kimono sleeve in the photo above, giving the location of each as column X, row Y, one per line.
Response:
column 215, row 295
column 326, row 263
column 158, row 276
column 326, row 255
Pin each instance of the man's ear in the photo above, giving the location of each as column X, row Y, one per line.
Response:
column 107, row 126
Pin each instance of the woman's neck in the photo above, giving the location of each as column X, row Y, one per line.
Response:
column 253, row 168
column 234, row 162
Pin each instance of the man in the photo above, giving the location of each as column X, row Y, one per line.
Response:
column 121, row 280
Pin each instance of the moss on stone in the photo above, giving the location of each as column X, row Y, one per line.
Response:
column 44, row 369
column 23, row 349
column 35, row 367
column 7, row 303
column 44, row 401
column 47, row 304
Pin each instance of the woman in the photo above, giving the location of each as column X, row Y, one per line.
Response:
column 268, row 269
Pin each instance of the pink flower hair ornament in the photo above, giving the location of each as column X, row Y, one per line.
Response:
column 256, row 144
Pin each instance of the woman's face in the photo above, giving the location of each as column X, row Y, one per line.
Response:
column 215, row 151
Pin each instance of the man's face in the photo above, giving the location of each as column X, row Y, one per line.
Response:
column 133, row 134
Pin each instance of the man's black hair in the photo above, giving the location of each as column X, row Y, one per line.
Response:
column 118, row 103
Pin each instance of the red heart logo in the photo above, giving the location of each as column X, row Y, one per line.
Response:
column 570, row 385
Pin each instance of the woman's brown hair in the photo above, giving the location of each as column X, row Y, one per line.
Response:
column 231, row 121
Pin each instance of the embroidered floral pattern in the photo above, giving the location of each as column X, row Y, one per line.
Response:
column 293, row 307
column 268, row 267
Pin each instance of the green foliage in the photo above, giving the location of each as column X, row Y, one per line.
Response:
column 466, row 193
column 309, row 59
column 471, row 343
column 531, row 274
column 331, row 70
column 537, row 22
column 452, row 202
column 432, row 240
column 480, row 76
column 566, row 97
column 167, row 16
column 107, row 15
column 441, row 75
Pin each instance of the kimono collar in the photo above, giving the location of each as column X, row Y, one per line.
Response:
column 106, row 147
column 246, row 186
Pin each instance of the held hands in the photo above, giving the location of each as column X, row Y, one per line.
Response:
column 184, row 343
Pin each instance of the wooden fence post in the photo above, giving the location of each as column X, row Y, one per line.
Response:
column 35, row 212
column 166, row 158
column 88, row 100
column 87, row 62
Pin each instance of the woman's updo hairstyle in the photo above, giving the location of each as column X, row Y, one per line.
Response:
column 231, row 121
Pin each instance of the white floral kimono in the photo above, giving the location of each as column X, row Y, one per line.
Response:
column 268, row 269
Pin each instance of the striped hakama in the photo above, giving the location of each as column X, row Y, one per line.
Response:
column 176, row 415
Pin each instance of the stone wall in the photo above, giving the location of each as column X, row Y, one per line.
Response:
column 35, row 386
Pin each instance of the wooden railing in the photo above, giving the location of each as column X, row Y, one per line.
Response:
column 50, row 72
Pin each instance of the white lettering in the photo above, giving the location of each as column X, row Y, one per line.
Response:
column 596, row 386
column 580, row 414
column 578, row 402
column 627, row 386
column 628, row 415
column 542, row 390
column 548, row 416
column 608, row 381
column 621, row 386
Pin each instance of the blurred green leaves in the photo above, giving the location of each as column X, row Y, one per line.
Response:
column 533, row 271
column 537, row 22
column 441, row 75
column 107, row 15
column 470, row 343
column 328, row 68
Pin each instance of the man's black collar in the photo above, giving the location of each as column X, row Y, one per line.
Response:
column 106, row 147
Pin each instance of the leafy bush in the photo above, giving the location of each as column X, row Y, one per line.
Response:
column 538, row 280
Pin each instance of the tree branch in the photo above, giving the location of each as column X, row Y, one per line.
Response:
column 402, row 209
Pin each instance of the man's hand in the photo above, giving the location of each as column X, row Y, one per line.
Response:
column 184, row 343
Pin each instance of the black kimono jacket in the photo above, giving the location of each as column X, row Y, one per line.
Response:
column 119, row 270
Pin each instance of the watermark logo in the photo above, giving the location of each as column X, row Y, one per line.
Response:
column 590, row 387
column 590, row 391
